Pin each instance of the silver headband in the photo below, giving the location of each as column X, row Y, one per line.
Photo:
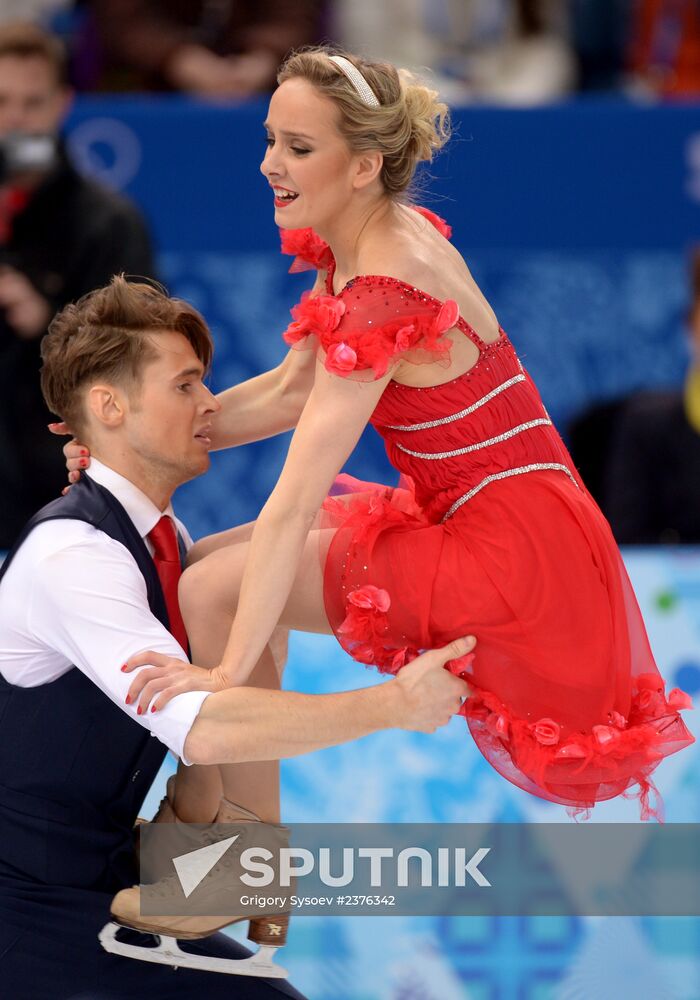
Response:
column 356, row 79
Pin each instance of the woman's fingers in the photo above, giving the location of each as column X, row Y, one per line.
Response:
column 154, row 686
column 59, row 427
column 77, row 459
column 149, row 658
column 141, row 681
column 162, row 676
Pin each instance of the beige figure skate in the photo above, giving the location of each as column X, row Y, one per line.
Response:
column 268, row 932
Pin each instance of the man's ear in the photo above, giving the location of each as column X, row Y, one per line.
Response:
column 106, row 404
column 368, row 167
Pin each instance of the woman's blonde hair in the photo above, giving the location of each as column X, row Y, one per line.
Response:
column 408, row 127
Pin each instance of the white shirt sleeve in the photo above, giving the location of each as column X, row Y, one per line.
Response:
column 89, row 603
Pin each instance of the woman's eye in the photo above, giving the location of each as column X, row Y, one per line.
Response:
column 269, row 141
column 299, row 151
column 185, row 386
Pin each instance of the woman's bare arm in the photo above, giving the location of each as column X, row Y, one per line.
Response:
column 334, row 417
column 265, row 405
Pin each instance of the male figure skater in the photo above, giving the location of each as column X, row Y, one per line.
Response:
column 89, row 584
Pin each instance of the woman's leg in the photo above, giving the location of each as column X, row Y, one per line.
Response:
column 208, row 597
column 198, row 788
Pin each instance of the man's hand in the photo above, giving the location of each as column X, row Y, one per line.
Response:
column 26, row 311
column 429, row 694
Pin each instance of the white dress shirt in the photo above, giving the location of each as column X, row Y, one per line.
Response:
column 74, row 596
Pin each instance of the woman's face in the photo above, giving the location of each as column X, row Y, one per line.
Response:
column 308, row 164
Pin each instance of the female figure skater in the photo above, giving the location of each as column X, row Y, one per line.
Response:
column 493, row 532
column 496, row 536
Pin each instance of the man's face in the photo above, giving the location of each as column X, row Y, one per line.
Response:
column 167, row 424
column 31, row 99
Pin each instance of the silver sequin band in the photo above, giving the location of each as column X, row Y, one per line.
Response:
column 535, row 467
column 433, row 455
column 356, row 79
column 462, row 413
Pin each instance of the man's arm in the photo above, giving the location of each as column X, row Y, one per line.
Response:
column 76, row 596
column 244, row 724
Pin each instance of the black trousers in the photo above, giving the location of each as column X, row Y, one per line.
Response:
column 49, row 951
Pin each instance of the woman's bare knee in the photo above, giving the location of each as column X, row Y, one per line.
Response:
column 211, row 543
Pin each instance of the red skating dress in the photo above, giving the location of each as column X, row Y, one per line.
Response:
column 490, row 533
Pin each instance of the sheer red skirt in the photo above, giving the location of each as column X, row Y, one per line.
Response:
column 567, row 701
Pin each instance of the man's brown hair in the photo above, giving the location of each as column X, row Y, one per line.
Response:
column 105, row 336
column 25, row 41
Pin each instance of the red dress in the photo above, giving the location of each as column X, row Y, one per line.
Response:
column 490, row 533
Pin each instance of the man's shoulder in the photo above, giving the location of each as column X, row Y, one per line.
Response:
column 65, row 536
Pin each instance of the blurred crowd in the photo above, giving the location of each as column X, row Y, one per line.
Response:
column 62, row 235
column 519, row 52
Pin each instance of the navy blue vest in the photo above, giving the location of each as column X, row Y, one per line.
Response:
column 74, row 768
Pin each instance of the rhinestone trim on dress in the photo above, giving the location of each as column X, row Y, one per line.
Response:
column 462, row 413
column 432, row 455
column 519, row 470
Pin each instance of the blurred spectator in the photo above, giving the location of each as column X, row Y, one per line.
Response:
column 60, row 237
column 211, row 48
column 504, row 51
column 32, row 10
column 600, row 32
column 653, row 490
column 665, row 47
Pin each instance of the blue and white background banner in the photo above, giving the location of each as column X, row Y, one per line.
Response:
column 576, row 220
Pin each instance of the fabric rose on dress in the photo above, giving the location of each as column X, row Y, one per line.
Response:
column 363, row 631
column 340, row 359
column 308, row 249
column 447, row 317
column 371, row 598
column 678, row 700
column 651, row 704
column 546, row 732
column 319, row 314
column 604, row 735
column 403, row 337
column 617, row 720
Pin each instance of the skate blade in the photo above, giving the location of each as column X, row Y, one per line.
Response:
column 167, row 952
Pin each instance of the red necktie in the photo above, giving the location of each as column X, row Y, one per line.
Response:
column 166, row 556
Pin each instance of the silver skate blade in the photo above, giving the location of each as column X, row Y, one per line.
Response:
column 167, row 952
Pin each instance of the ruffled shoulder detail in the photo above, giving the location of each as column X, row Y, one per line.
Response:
column 444, row 228
column 310, row 252
column 370, row 325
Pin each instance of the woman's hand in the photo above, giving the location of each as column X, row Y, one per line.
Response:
column 163, row 677
column 77, row 454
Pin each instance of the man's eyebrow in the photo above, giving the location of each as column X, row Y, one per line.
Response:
column 290, row 135
column 197, row 370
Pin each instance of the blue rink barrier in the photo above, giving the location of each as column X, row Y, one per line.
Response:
column 407, row 777
column 575, row 219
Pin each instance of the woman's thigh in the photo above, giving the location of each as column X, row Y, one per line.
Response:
column 214, row 581
column 210, row 543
